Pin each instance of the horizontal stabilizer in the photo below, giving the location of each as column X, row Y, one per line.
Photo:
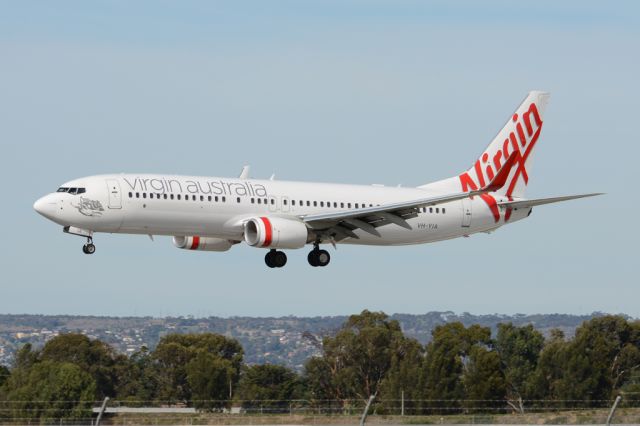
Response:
column 540, row 201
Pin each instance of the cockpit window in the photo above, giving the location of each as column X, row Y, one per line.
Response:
column 72, row 191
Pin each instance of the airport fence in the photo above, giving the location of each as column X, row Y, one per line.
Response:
column 327, row 412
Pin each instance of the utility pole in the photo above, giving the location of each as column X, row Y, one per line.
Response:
column 402, row 404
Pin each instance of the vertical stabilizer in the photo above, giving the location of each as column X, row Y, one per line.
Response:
column 519, row 135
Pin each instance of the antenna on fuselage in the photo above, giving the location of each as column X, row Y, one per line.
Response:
column 244, row 174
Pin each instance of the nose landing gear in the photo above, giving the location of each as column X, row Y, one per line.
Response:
column 275, row 259
column 318, row 257
column 89, row 248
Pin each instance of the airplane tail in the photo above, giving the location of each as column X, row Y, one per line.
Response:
column 519, row 135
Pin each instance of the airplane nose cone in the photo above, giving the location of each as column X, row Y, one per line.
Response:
column 46, row 206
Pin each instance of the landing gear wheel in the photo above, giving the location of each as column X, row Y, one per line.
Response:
column 323, row 258
column 275, row 259
column 269, row 259
column 89, row 248
column 280, row 259
column 312, row 258
column 318, row 257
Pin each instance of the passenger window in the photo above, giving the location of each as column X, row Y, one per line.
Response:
column 308, row 203
column 202, row 198
column 131, row 195
column 293, row 202
column 137, row 195
column 349, row 205
column 144, row 195
column 179, row 196
column 284, row 202
column 209, row 198
column 315, row 204
column 356, row 205
column 253, row 201
column 321, row 203
column 215, row 198
column 335, row 204
column 238, row 199
column 342, row 205
column 443, row 210
column 165, row 196
column 437, row 209
column 172, row 196
column 224, row 199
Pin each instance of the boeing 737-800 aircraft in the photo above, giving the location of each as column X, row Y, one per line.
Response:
column 213, row 214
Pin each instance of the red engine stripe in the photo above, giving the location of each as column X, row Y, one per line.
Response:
column 268, row 232
column 196, row 243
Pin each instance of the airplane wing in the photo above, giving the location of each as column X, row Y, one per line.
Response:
column 341, row 224
column 540, row 201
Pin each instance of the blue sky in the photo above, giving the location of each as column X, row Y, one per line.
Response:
column 393, row 92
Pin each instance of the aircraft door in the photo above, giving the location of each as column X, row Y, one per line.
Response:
column 466, row 212
column 115, row 197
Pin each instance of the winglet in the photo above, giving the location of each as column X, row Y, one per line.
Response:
column 500, row 179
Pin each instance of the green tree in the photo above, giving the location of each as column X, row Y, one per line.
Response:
column 444, row 364
column 50, row 390
column 174, row 353
column 138, row 379
column 93, row 356
column 483, row 379
column 403, row 378
column 210, row 380
column 269, row 387
column 357, row 359
column 4, row 375
column 600, row 359
column 519, row 349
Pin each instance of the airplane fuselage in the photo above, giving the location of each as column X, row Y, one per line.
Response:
column 216, row 207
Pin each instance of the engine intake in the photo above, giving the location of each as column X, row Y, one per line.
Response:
column 275, row 232
column 202, row 243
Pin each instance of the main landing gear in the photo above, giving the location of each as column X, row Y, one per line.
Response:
column 275, row 259
column 318, row 257
column 89, row 248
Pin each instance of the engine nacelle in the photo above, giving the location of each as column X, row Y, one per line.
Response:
column 202, row 243
column 275, row 232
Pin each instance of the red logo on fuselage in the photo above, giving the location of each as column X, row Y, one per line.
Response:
column 491, row 161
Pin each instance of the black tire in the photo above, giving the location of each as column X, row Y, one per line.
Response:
column 312, row 258
column 90, row 248
column 280, row 259
column 269, row 259
column 323, row 258
column 84, row 249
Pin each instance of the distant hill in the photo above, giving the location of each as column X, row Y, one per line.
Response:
column 286, row 340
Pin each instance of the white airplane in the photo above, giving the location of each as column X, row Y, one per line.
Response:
column 213, row 214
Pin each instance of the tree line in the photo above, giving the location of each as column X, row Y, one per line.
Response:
column 462, row 369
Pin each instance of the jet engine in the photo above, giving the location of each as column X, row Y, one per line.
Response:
column 202, row 243
column 275, row 232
